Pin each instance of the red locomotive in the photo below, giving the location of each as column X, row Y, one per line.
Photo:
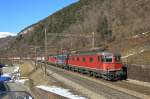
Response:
column 103, row 64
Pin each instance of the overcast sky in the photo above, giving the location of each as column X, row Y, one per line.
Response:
column 15, row 15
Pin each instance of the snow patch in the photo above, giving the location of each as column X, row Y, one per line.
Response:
column 138, row 35
column 14, row 76
column 16, row 69
column 146, row 32
column 138, row 52
column 128, row 55
column 60, row 91
column 135, row 36
column 6, row 34
column 22, row 81
column 142, row 50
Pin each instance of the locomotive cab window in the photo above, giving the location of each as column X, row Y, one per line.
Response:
column 107, row 59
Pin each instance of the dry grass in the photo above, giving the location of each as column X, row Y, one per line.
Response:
column 39, row 78
column 27, row 68
column 36, row 76
column 134, row 46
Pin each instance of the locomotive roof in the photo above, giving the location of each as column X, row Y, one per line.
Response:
column 106, row 52
column 100, row 52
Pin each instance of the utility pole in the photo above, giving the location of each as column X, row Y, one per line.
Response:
column 93, row 40
column 45, row 51
column 71, row 43
column 35, row 57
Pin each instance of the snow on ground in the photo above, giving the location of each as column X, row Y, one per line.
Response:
column 22, row 81
column 60, row 91
column 128, row 55
column 142, row 51
column 134, row 53
column 138, row 35
column 14, row 76
column 17, row 69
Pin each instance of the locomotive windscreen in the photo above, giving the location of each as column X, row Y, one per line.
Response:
column 107, row 58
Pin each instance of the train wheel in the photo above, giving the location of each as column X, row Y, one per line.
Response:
column 90, row 73
column 96, row 75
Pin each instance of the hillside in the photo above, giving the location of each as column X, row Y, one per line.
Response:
column 6, row 42
column 113, row 21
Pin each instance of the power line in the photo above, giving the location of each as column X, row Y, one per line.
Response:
column 70, row 35
column 75, row 35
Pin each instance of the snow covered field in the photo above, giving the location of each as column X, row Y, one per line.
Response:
column 60, row 91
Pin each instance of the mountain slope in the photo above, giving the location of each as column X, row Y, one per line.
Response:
column 113, row 21
column 6, row 42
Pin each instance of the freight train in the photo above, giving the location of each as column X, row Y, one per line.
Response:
column 100, row 63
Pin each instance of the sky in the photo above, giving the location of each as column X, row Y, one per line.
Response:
column 15, row 15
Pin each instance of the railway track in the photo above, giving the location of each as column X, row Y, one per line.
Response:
column 115, row 90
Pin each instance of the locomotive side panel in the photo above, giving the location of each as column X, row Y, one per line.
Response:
column 86, row 61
